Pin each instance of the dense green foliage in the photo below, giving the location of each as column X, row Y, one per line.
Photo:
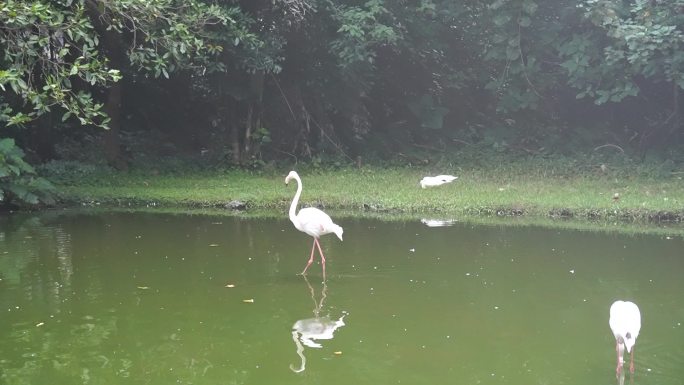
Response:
column 245, row 82
column 54, row 57
column 19, row 183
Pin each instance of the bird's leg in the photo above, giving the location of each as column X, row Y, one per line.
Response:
column 323, row 270
column 619, row 363
column 313, row 247
column 631, row 361
column 322, row 256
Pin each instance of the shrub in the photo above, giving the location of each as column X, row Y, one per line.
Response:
column 19, row 183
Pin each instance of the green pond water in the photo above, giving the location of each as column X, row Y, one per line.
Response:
column 145, row 298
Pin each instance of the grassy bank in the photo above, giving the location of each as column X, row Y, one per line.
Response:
column 505, row 191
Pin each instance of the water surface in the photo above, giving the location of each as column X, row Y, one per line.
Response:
column 123, row 298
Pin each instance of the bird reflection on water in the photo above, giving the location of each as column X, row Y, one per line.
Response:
column 438, row 222
column 306, row 332
column 621, row 377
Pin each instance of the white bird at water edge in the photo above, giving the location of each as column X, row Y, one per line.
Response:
column 432, row 181
column 312, row 221
column 625, row 322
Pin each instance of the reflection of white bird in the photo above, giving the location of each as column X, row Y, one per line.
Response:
column 438, row 222
column 625, row 322
column 309, row 330
column 312, row 221
column 319, row 328
column 432, row 181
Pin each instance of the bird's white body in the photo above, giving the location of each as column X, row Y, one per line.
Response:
column 625, row 322
column 432, row 181
column 311, row 220
column 315, row 222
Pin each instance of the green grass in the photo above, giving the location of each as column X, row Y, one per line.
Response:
column 513, row 190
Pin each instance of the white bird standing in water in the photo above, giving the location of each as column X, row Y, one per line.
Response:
column 625, row 322
column 312, row 221
column 432, row 181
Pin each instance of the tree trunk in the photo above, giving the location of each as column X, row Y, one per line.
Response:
column 112, row 143
column 111, row 41
column 254, row 112
column 41, row 138
column 231, row 120
column 677, row 124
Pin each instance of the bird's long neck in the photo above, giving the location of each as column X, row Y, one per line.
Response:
column 295, row 200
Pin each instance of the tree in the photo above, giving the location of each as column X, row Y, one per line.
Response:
column 163, row 37
column 50, row 57
column 643, row 43
column 57, row 53
column 312, row 77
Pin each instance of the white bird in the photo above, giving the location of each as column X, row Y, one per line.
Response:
column 625, row 322
column 432, row 181
column 312, row 221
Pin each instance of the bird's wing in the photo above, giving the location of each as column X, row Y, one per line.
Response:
column 313, row 220
column 624, row 317
column 634, row 319
column 448, row 178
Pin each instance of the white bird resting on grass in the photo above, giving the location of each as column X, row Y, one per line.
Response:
column 625, row 322
column 432, row 181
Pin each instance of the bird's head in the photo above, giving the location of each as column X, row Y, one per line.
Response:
column 290, row 176
column 338, row 231
column 424, row 182
column 629, row 340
